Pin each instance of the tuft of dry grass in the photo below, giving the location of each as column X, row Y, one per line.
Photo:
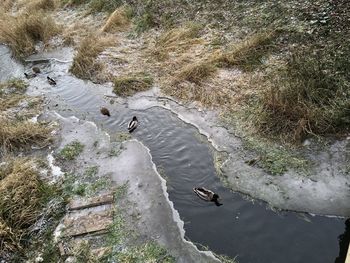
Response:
column 9, row 239
column 22, row 32
column 246, row 53
column 85, row 64
column 129, row 85
column 177, row 40
column 176, row 35
column 15, row 135
column 303, row 98
column 118, row 20
column 46, row 5
column 196, row 72
column 23, row 195
column 11, row 93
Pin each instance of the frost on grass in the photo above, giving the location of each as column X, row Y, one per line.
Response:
column 71, row 150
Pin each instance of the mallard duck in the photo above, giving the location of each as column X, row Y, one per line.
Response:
column 30, row 75
column 207, row 195
column 36, row 70
column 105, row 111
column 133, row 124
column 51, row 81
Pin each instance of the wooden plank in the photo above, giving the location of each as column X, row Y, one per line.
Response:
column 81, row 203
column 78, row 225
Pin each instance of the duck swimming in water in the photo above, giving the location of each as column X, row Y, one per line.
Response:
column 207, row 195
column 133, row 124
column 105, row 111
column 29, row 75
column 51, row 81
column 36, row 70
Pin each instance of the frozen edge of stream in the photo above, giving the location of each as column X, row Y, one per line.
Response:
column 193, row 254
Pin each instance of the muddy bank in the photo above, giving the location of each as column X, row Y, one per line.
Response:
column 146, row 194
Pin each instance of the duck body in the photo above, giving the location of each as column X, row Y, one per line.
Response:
column 51, row 81
column 29, row 75
column 207, row 195
column 133, row 124
column 36, row 70
column 105, row 111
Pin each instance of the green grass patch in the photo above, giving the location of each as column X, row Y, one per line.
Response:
column 275, row 159
column 71, row 151
column 91, row 171
column 129, row 85
column 149, row 252
column 120, row 137
column 87, row 184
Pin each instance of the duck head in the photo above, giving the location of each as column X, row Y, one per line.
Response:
column 216, row 199
column 134, row 118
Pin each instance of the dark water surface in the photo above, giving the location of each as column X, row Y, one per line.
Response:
column 242, row 228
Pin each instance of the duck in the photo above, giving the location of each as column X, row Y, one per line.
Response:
column 207, row 195
column 51, row 81
column 29, row 75
column 133, row 124
column 36, row 70
column 105, row 111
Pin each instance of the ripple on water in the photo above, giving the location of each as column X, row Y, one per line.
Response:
column 239, row 227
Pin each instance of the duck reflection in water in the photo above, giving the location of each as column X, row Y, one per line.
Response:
column 344, row 240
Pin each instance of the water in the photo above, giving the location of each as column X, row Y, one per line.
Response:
column 242, row 228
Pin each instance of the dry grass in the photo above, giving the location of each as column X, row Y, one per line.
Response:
column 46, row 5
column 6, row 5
column 304, row 98
column 9, row 239
column 10, row 101
column 21, row 33
column 129, row 85
column 21, row 194
column 245, row 54
column 176, row 35
column 22, row 198
column 11, row 93
column 85, row 64
column 118, row 20
column 177, row 40
column 195, row 73
column 16, row 135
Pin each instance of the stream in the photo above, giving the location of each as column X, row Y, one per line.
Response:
column 243, row 228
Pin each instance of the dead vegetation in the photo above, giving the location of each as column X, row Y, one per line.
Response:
column 21, row 135
column 23, row 31
column 118, row 20
column 196, row 73
column 11, row 93
column 304, row 98
column 176, row 40
column 85, row 64
column 46, row 5
column 246, row 53
column 18, row 134
column 22, row 197
column 129, row 85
